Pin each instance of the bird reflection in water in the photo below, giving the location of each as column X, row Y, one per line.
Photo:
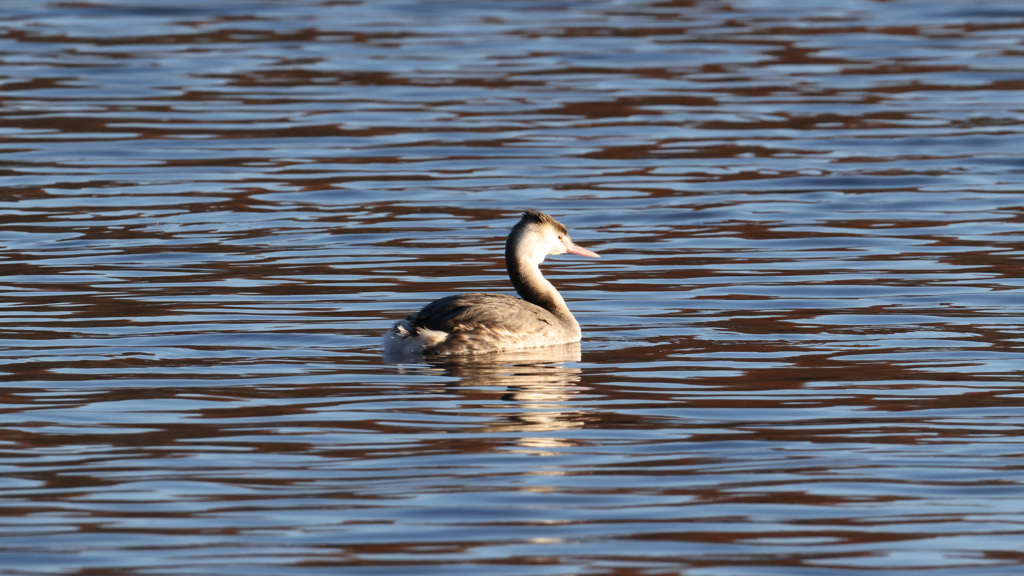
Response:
column 536, row 388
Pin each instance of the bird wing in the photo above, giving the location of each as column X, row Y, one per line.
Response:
column 468, row 311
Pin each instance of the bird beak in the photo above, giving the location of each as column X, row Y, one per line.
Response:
column 574, row 249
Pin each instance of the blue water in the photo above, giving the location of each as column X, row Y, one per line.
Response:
column 801, row 354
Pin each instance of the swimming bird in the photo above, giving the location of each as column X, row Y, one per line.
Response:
column 477, row 323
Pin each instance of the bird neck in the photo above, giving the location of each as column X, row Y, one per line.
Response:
column 531, row 285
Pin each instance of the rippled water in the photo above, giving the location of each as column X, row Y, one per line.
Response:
column 802, row 347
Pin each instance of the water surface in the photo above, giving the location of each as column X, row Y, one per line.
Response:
column 802, row 345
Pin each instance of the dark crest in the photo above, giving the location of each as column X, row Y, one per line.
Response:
column 539, row 217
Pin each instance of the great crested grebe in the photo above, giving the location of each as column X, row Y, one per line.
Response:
column 477, row 323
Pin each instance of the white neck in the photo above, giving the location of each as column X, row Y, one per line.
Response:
column 523, row 254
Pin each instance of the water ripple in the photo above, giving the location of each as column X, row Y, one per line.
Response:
column 802, row 347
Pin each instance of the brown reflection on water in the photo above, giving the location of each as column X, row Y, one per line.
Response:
column 801, row 348
column 536, row 391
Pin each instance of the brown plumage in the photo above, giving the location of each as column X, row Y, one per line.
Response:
column 483, row 322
